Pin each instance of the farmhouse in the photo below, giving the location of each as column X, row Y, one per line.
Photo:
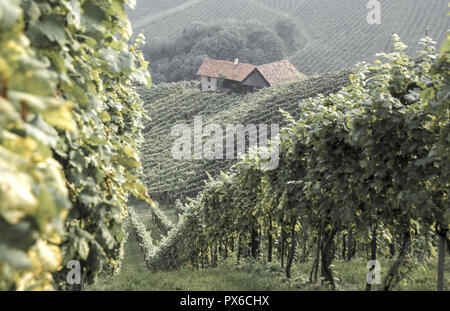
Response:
column 240, row 77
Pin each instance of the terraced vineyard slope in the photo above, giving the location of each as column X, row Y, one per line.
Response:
column 178, row 103
column 340, row 36
column 171, row 22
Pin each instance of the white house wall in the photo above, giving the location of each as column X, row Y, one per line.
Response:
column 209, row 86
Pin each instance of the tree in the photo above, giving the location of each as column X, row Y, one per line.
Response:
column 251, row 42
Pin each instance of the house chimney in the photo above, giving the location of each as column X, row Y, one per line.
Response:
column 236, row 61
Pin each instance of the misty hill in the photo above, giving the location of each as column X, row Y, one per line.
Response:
column 170, row 23
column 336, row 33
column 147, row 8
column 339, row 35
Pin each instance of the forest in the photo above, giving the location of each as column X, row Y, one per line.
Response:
column 178, row 59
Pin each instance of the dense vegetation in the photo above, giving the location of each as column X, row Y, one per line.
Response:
column 369, row 162
column 168, row 179
column 70, row 127
column 332, row 37
column 178, row 59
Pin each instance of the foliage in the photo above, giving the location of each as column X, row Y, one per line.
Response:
column 436, row 96
column 142, row 236
column 371, row 156
column 70, row 127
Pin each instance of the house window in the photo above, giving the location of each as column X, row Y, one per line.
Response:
column 209, row 79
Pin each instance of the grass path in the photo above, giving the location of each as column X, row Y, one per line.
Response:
column 253, row 276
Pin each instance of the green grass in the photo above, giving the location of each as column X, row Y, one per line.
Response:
column 225, row 278
column 253, row 276
column 352, row 275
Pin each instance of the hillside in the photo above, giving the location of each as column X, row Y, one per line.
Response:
column 178, row 103
column 334, row 36
column 170, row 23
column 146, row 8
column 340, row 35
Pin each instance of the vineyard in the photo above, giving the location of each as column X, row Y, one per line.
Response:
column 175, row 20
column 168, row 179
column 70, row 129
column 352, row 39
column 334, row 36
column 87, row 171
column 369, row 163
column 147, row 8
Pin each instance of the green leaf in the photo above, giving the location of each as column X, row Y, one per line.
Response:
column 9, row 14
column 445, row 48
column 82, row 248
column 17, row 259
column 42, row 131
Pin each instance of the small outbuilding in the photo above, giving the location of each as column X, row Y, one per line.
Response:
column 279, row 72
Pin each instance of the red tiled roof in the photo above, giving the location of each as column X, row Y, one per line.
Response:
column 279, row 72
column 212, row 68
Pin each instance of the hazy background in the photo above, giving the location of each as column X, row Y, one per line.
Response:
column 316, row 36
